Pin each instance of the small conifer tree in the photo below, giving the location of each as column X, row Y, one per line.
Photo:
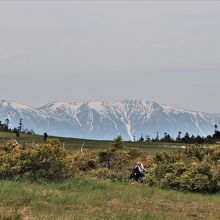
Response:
column 20, row 127
column 117, row 144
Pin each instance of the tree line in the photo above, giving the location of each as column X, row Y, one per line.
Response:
column 182, row 138
column 186, row 138
column 4, row 126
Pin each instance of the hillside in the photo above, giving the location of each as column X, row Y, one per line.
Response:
column 103, row 120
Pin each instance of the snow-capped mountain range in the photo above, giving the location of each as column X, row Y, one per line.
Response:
column 104, row 120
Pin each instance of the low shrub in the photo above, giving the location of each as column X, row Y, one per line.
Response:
column 113, row 160
column 193, row 169
column 82, row 161
column 185, row 171
column 46, row 161
column 135, row 153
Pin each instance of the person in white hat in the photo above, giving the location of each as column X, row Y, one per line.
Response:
column 138, row 171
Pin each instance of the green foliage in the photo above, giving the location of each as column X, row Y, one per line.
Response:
column 117, row 144
column 113, row 159
column 189, row 170
column 82, row 161
column 134, row 153
column 194, row 169
column 113, row 163
column 46, row 161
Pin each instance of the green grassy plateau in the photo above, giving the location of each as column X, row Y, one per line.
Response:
column 76, row 143
column 84, row 197
column 87, row 198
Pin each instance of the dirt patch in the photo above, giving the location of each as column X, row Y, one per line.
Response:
column 15, row 213
column 94, row 209
column 116, row 203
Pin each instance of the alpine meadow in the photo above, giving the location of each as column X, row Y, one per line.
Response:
column 109, row 110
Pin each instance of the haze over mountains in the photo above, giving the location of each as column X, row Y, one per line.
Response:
column 105, row 120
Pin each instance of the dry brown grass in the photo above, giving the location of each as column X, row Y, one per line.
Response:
column 14, row 212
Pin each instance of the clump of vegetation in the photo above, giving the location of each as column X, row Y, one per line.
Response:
column 193, row 169
column 113, row 158
column 82, row 161
column 113, row 163
column 46, row 161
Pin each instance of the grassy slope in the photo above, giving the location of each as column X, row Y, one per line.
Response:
column 76, row 143
column 84, row 198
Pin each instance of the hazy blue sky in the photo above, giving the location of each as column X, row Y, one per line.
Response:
column 79, row 51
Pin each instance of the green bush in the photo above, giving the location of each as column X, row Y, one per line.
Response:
column 46, row 161
column 193, row 169
column 135, row 153
column 188, row 170
column 82, row 161
column 113, row 160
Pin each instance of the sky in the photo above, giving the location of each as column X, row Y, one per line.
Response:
column 164, row 51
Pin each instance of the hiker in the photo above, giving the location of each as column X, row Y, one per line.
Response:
column 17, row 134
column 45, row 136
column 138, row 171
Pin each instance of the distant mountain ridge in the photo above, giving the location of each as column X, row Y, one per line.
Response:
column 105, row 120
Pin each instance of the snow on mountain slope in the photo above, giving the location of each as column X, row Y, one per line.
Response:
column 104, row 120
column 32, row 118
